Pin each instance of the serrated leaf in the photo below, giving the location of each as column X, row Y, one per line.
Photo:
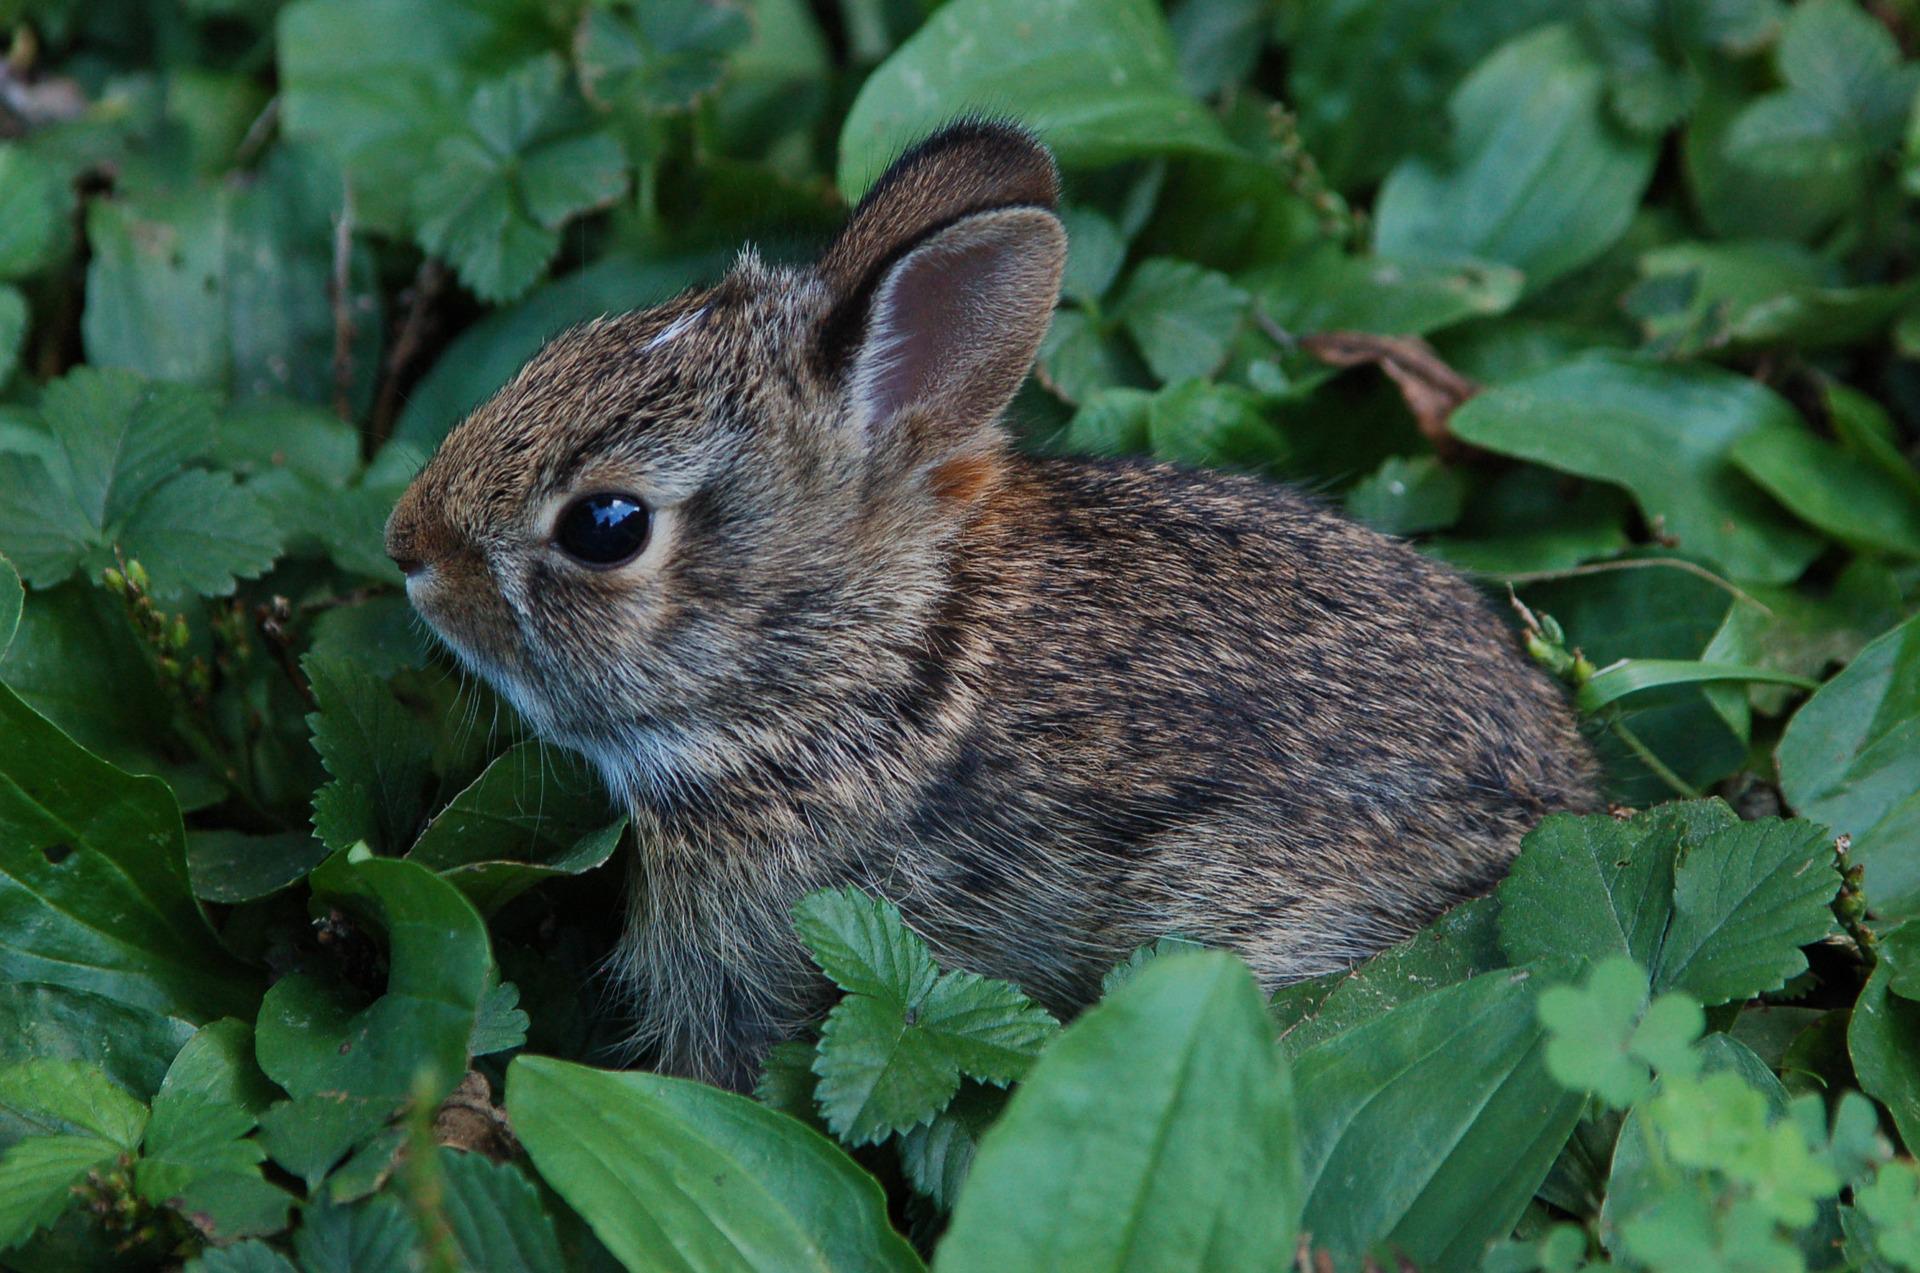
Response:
column 199, row 532
column 496, row 194
column 498, row 1219
column 252, row 1256
column 671, row 1174
column 1746, row 898
column 1589, row 1028
column 37, row 1178
column 1210, row 425
column 1183, row 317
column 377, row 751
column 938, row 1156
column 659, row 54
column 45, row 1096
column 500, row 1023
column 893, row 1050
column 378, row 1233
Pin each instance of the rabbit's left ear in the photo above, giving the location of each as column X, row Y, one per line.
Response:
column 945, row 280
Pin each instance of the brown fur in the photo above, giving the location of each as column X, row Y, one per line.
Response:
column 1054, row 709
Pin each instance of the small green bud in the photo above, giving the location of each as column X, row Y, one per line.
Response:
column 115, row 582
column 137, row 576
column 169, row 667
column 178, row 636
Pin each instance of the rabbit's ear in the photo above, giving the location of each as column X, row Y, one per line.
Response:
column 945, row 278
column 953, row 326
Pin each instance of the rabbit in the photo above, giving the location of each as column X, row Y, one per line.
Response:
column 765, row 555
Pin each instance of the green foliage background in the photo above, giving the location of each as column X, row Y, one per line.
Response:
column 1611, row 303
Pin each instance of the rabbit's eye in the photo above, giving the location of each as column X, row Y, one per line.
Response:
column 603, row 530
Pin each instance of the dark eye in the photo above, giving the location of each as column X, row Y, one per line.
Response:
column 603, row 530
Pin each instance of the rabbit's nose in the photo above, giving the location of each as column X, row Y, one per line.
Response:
column 403, row 542
column 409, row 566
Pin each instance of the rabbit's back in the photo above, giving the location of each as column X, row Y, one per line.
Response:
column 1207, row 706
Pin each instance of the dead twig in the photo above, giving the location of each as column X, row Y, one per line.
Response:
column 429, row 281
column 1433, row 390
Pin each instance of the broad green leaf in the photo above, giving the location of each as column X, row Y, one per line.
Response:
column 131, row 1045
column 233, row 866
column 499, row 1223
column 93, row 881
column 1080, row 358
column 496, row 194
column 1865, row 429
column 1370, row 78
column 1406, row 496
column 1847, row 496
column 1323, row 289
column 1883, row 1035
column 658, row 55
column 12, row 596
column 1665, row 433
column 196, row 1157
column 1182, row 317
column 674, row 1175
column 1734, row 297
column 1111, row 422
column 534, row 814
column 1746, row 898
column 1158, row 1132
column 893, row 1049
column 313, row 1038
column 1097, row 79
column 1588, row 887
column 1536, row 176
column 1442, row 1177
column 32, row 207
column 1201, row 424
column 1528, row 520
column 14, row 319
column 1462, row 943
column 309, row 1135
column 37, row 1177
column 199, row 532
column 1849, row 755
column 1605, row 1034
column 1095, row 251
column 377, row 752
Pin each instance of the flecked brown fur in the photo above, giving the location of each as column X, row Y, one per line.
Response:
column 1054, row 709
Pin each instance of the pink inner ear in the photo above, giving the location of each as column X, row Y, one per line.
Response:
column 930, row 318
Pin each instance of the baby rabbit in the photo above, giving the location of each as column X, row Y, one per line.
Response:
column 763, row 553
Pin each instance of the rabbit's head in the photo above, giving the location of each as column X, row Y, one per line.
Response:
column 688, row 540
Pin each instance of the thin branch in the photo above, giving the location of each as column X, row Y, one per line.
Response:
column 428, row 283
column 340, row 290
column 1638, row 563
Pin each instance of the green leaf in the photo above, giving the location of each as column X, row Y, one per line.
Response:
column 14, row 320
column 1097, row 79
column 1181, row 316
column 1847, row 97
column 131, row 1045
column 498, row 1222
column 93, row 881
column 376, row 1234
column 1605, row 1034
column 377, row 751
column 1746, row 898
column 32, row 207
column 1095, row 251
column 1157, row 1132
column 658, row 55
column 1406, row 496
column 1111, row 422
column 1443, row 1176
column 1735, row 297
column 313, row 1039
column 1201, row 424
column 533, row 814
column 233, row 866
column 309, row 1135
column 1844, row 495
column 1883, row 1036
column 251, row 1256
column 1459, row 945
column 112, row 479
column 938, row 1156
column 1586, row 888
column 1536, row 176
column 893, row 1049
column 1323, row 289
column 12, row 597
column 1629, row 676
column 500, row 1024
column 1849, row 754
column 58, row 1120
column 196, row 1157
column 494, row 198
column 673, row 1175
column 1665, row 433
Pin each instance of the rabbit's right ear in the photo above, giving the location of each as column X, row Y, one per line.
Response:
column 945, row 280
